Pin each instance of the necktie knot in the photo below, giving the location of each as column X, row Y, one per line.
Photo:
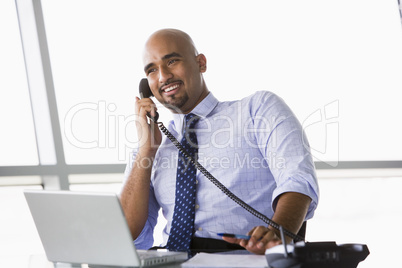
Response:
column 190, row 121
column 189, row 136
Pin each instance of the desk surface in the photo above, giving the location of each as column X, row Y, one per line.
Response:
column 201, row 260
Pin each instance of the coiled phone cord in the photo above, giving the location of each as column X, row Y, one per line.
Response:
column 225, row 190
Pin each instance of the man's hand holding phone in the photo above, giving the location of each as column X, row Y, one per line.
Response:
column 149, row 135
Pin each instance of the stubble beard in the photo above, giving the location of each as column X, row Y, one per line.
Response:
column 176, row 104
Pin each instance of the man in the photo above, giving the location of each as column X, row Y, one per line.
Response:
column 255, row 147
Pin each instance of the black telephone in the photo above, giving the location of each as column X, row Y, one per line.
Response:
column 145, row 92
column 304, row 255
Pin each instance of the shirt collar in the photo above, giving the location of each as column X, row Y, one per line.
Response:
column 203, row 109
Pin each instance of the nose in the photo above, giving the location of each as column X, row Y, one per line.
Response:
column 164, row 75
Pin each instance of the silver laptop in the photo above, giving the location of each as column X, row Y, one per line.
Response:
column 89, row 228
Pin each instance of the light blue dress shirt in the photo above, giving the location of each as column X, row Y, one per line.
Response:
column 256, row 147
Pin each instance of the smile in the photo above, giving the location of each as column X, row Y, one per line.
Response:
column 171, row 88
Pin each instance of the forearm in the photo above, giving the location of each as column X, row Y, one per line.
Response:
column 290, row 211
column 134, row 197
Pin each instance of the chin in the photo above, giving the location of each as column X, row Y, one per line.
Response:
column 176, row 104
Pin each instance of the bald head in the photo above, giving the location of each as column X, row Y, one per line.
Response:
column 173, row 35
column 174, row 70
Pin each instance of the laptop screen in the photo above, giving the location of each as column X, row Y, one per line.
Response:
column 78, row 227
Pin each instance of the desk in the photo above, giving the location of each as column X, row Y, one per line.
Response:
column 200, row 260
column 40, row 261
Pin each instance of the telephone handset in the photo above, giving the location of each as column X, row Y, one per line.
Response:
column 145, row 92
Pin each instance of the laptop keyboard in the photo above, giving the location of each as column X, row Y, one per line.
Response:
column 153, row 257
column 148, row 254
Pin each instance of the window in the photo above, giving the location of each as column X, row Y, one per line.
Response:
column 340, row 76
column 17, row 138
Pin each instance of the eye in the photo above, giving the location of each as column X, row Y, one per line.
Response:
column 152, row 70
column 172, row 61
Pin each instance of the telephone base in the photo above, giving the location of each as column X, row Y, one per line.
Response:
column 316, row 255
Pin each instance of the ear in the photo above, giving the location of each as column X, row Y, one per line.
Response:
column 202, row 62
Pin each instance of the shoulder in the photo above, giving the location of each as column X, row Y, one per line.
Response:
column 254, row 99
column 259, row 103
column 259, row 97
column 265, row 102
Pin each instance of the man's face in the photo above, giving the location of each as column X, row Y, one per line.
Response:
column 174, row 72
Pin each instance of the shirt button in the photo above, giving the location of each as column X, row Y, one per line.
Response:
column 196, row 181
column 197, row 206
column 199, row 228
